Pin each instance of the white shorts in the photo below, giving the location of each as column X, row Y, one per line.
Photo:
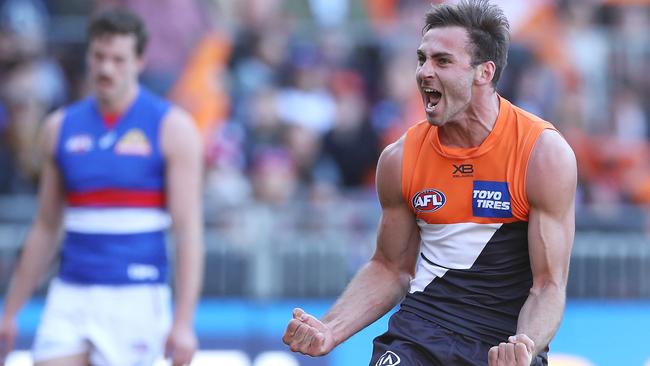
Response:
column 115, row 325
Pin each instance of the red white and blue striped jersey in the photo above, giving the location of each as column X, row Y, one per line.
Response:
column 114, row 181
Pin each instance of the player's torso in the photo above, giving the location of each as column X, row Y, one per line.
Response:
column 114, row 189
column 473, row 272
column 93, row 157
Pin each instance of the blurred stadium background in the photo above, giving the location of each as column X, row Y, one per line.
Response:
column 295, row 99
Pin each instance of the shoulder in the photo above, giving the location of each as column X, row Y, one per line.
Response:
column 53, row 120
column 178, row 119
column 394, row 152
column 178, row 128
column 51, row 129
column 551, row 151
column 527, row 120
column 148, row 96
column 552, row 169
column 82, row 105
column 389, row 173
column 391, row 157
column 150, row 102
column 522, row 113
column 419, row 130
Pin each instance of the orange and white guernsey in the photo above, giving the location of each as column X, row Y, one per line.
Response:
column 473, row 274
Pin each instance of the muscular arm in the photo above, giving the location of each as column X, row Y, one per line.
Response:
column 551, row 187
column 381, row 283
column 41, row 242
column 182, row 148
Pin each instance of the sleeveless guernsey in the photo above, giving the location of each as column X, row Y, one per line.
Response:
column 473, row 274
column 115, row 219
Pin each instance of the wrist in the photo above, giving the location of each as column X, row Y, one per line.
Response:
column 333, row 328
column 184, row 319
column 182, row 324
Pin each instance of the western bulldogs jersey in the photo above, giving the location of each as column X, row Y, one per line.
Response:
column 473, row 273
column 114, row 189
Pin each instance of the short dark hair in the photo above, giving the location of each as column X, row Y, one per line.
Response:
column 487, row 27
column 119, row 21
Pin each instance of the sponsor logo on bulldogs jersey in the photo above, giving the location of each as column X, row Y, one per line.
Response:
column 142, row 272
column 428, row 200
column 79, row 144
column 491, row 199
column 134, row 142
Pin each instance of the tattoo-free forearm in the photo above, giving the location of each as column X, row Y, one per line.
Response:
column 541, row 314
column 189, row 272
column 35, row 259
column 372, row 293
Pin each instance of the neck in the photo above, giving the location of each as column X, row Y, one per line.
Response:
column 120, row 103
column 475, row 124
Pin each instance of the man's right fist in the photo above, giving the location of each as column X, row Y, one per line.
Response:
column 307, row 335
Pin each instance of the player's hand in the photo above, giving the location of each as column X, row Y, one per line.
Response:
column 8, row 332
column 180, row 345
column 517, row 352
column 308, row 335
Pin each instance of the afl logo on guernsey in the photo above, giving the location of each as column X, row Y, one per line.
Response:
column 79, row 144
column 428, row 200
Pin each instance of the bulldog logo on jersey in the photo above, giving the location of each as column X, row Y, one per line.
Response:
column 78, row 144
column 428, row 200
column 134, row 142
column 388, row 359
column 491, row 199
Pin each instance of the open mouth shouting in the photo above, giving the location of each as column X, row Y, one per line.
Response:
column 431, row 99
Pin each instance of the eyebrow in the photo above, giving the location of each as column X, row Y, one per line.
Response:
column 437, row 54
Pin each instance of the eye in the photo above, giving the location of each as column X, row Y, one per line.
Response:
column 443, row 61
column 421, row 59
column 98, row 56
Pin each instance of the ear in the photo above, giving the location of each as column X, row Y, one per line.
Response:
column 484, row 73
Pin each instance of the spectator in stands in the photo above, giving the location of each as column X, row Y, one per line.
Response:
column 31, row 84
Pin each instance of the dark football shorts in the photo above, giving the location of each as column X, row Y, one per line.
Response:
column 414, row 341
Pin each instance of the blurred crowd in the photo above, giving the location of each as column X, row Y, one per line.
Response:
column 295, row 99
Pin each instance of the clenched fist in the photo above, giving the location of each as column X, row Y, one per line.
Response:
column 307, row 335
column 517, row 352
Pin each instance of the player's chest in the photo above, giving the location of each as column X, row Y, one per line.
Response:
column 88, row 154
column 462, row 191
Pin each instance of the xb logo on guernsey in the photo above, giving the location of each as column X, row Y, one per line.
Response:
column 428, row 200
column 463, row 170
column 388, row 359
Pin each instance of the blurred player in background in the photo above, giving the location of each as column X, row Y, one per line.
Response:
column 477, row 217
column 119, row 168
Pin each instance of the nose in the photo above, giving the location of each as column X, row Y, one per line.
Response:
column 105, row 67
column 426, row 70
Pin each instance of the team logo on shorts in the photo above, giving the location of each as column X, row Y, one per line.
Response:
column 428, row 200
column 388, row 359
